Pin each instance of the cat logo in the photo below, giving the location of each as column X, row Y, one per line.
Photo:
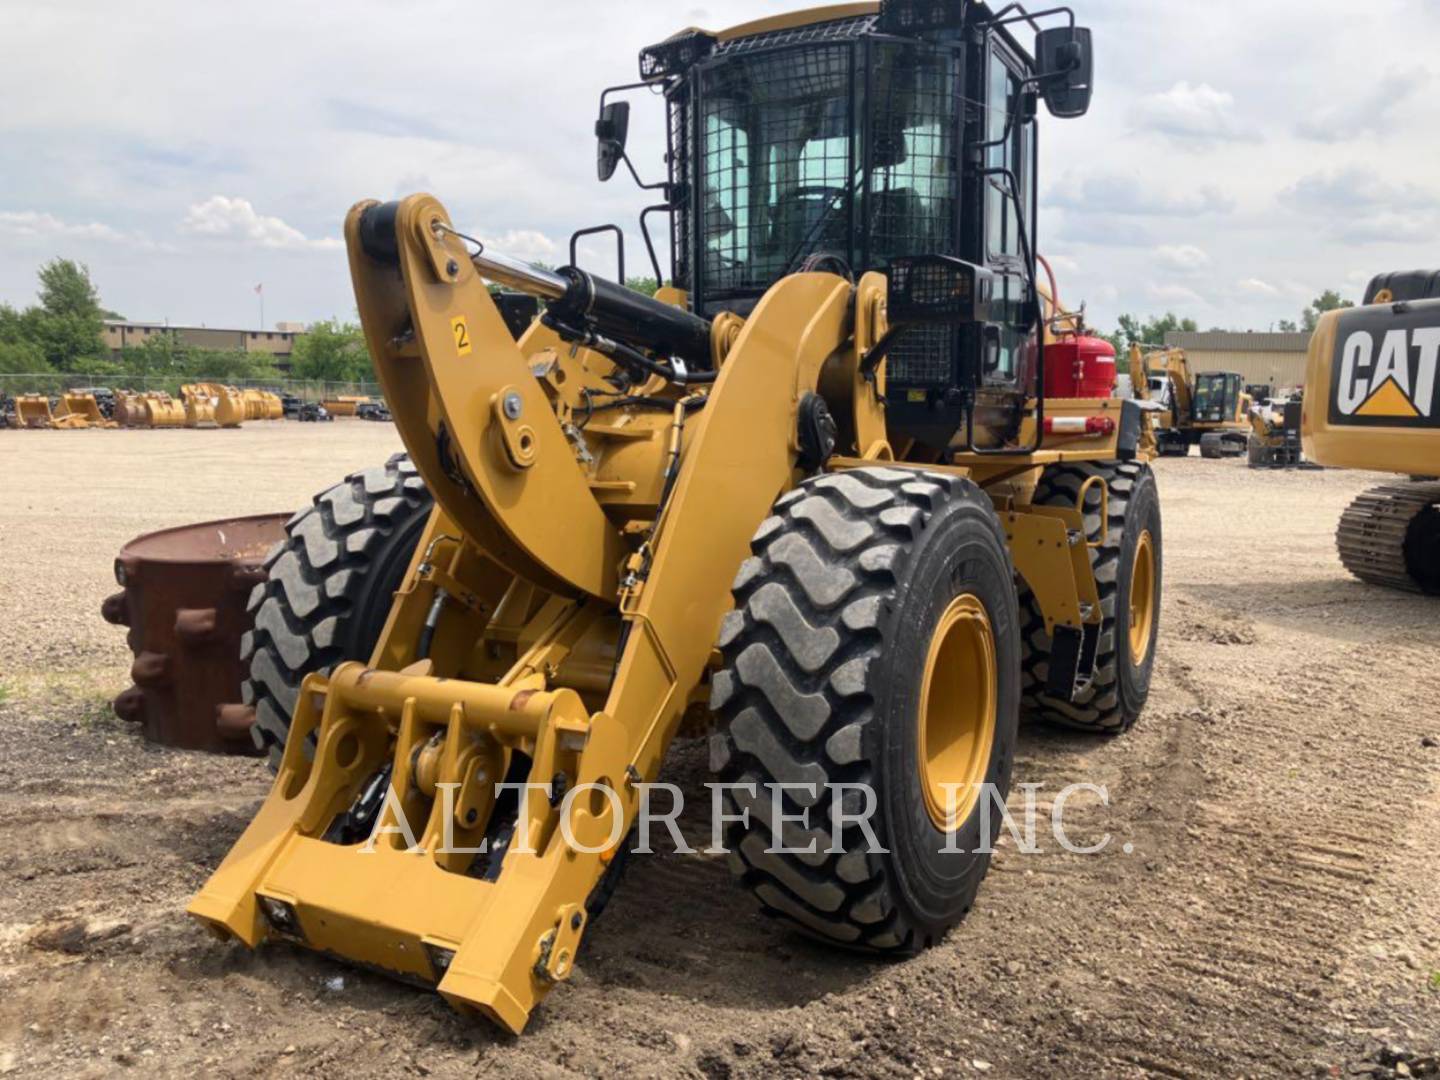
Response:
column 1385, row 369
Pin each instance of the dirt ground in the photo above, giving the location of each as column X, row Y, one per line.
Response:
column 1278, row 911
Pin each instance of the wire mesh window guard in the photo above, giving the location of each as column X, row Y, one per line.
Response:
column 836, row 144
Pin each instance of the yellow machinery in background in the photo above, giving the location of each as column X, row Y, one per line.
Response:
column 1371, row 403
column 262, row 405
column 813, row 496
column 212, row 404
column 1275, row 441
column 156, row 409
column 230, row 408
column 84, row 407
column 1210, row 408
column 33, row 411
column 199, row 406
column 344, row 406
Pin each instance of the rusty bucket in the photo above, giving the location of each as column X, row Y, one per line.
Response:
column 184, row 595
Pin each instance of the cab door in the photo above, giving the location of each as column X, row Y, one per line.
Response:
column 1009, row 186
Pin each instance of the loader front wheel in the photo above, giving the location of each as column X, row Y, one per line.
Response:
column 1128, row 568
column 871, row 688
column 329, row 588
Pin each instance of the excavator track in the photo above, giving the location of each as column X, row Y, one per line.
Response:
column 1390, row 536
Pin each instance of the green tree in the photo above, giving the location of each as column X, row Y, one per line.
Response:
column 11, row 324
column 1288, row 327
column 1149, row 333
column 66, row 326
column 160, row 356
column 332, row 351
column 66, row 289
column 21, row 358
column 647, row 285
column 1329, row 300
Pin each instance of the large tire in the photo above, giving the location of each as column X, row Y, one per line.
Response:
column 1114, row 700
column 825, row 655
column 329, row 589
column 1212, row 446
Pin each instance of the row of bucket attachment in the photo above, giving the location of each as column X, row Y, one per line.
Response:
column 74, row 411
column 201, row 405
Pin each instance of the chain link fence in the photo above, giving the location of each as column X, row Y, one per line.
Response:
column 305, row 389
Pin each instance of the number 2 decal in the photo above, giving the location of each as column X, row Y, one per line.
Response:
column 461, row 329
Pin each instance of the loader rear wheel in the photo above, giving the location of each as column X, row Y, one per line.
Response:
column 872, row 659
column 329, row 589
column 1129, row 571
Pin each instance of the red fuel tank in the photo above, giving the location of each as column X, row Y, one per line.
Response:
column 1082, row 367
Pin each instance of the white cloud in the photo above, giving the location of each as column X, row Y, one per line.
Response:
column 1184, row 257
column 34, row 225
column 1174, row 294
column 526, row 245
column 1357, row 206
column 227, row 218
column 1190, row 112
column 1133, row 195
column 1371, row 113
column 1256, row 285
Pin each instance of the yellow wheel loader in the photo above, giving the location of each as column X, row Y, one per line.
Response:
column 814, row 496
column 1371, row 403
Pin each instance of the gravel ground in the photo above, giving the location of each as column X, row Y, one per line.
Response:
column 1277, row 912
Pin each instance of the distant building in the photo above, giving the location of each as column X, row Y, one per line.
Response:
column 1276, row 360
column 280, row 343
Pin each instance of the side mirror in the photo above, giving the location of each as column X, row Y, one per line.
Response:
column 1065, row 69
column 611, row 132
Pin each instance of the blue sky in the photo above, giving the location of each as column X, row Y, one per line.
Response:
column 1239, row 158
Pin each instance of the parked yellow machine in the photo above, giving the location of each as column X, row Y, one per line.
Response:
column 814, row 494
column 1210, row 408
column 1371, row 403
column 1275, row 440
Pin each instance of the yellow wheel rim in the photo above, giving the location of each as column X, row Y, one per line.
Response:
column 1142, row 599
column 957, row 712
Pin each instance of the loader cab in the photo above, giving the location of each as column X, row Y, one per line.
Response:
column 844, row 138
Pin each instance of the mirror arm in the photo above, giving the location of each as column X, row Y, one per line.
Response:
column 662, row 185
column 605, row 94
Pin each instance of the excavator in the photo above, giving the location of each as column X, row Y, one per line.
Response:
column 833, row 495
column 1208, row 408
column 1371, row 403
